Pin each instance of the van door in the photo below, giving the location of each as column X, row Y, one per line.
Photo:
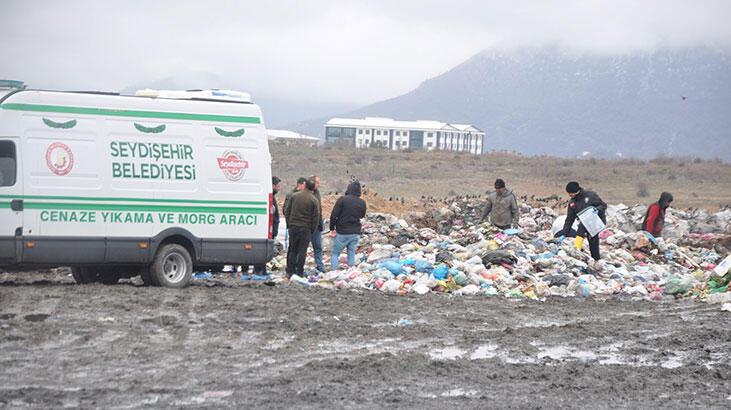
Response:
column 11, row 199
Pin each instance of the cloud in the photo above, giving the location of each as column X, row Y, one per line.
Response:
column 345, row 51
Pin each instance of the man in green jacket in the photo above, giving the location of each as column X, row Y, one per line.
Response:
column 303, row 217
column 502, row 207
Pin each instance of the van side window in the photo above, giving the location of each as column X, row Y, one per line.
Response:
column 7, row 163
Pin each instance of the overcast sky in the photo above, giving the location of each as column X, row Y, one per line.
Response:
column 339, row 51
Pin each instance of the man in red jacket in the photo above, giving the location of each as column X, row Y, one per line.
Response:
column 655, row 216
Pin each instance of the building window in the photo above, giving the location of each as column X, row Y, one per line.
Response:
column 368, row 132
column 378, row 132
column 428, row 144
column 340, row 134
column 360, row 131
column 429, row 135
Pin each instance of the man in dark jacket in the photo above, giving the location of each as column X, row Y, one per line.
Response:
column 580, row 200
column 317, row 235
column 655, row 217
column 300, row 186
column 303, row 216
column 345, row 224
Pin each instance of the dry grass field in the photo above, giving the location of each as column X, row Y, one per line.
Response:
column 693, row 182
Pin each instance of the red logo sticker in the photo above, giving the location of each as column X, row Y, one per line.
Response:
column 232, row 165
column 59, row 158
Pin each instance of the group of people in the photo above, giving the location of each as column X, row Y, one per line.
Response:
column 303, row 214
column 502, row 208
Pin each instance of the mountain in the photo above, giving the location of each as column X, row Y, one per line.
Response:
column 277, row 111
column 546, row 101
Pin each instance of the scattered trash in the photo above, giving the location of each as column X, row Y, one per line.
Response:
column 405, row 322
column 202, row 275
column 448, row 250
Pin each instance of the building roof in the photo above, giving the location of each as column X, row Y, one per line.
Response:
column 289, row 135
column 466, row 127
column 381, row 122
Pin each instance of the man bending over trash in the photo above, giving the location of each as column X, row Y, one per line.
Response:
column 580, row 200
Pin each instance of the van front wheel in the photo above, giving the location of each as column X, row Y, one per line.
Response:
column 172, row 267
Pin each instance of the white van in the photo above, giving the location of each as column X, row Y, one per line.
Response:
column 157, row 184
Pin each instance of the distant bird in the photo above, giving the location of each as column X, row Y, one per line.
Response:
column 683, row 97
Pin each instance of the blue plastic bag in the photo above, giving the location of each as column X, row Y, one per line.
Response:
column 393, row 267
column 408, row 262
column 202, row 275
column 423, row 266
column 440, row 272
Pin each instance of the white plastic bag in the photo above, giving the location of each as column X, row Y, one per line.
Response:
column 589, row 217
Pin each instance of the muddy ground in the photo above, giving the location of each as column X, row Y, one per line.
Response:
column 222, row 343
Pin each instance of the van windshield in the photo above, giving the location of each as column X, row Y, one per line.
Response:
column 7, row 163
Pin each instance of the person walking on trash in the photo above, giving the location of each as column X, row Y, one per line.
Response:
column 580, row 200
column 302, row 215
column 345, row 224
column 655, row 217
column 502, row 207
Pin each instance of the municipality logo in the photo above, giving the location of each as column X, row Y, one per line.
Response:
column 59, row 158
column 232, row 165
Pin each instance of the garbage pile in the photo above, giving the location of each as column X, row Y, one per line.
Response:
column 448, row 250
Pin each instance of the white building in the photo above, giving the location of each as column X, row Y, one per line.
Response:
column 398, row 135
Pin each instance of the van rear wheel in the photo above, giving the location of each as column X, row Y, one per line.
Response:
column 172, row 267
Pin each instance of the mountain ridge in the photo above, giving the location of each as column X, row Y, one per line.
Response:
column 548, row 101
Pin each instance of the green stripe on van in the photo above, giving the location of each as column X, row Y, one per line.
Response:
column 130, row 113
column 143, row 208
column 114, row 199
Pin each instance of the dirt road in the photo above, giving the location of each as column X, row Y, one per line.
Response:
column 221, row 343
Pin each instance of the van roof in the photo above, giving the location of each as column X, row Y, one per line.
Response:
column 85, row 103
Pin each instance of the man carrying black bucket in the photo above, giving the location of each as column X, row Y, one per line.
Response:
column 580, row 200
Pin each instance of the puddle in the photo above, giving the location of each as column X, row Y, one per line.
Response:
column 447, row 353
column 484, row 352
column 564, row 352
column 459, row 393
column 674, row 362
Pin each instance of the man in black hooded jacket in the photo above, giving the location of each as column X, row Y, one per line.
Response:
column 580, row 200
column 345, row 223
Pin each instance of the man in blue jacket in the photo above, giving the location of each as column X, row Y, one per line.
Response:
column 345, row 224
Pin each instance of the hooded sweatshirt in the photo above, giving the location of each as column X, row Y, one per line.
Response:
column 348, row 211
column 655, row 217
column 502, row 208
